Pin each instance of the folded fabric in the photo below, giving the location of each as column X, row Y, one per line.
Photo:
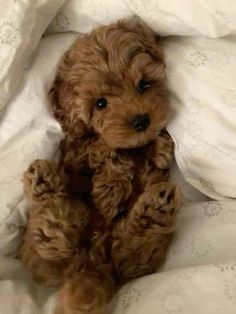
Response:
column 22, row 23
column 212, row 18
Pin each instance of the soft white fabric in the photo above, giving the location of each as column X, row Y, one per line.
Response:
column 83, row 16
column 199, row 275
column 202, row 79
column 19, row 294
column 22, row 23
column 212, row 18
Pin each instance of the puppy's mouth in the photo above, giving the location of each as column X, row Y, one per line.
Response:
column 130, row 140
column 134, row 132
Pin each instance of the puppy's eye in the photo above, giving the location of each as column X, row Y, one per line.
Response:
column 101, row 103
column 143, row 85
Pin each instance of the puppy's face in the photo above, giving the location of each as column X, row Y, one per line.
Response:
column 113, row 81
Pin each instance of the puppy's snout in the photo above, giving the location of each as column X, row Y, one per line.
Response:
column 141, row 122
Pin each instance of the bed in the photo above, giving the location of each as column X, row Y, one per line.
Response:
column 199, row 275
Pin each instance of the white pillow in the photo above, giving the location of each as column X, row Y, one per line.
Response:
column 202, row 79
column 22, row 24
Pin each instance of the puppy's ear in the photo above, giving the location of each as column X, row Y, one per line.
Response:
column 62, row 99
column 61, row 91
column 65, row 100
column 146, row 35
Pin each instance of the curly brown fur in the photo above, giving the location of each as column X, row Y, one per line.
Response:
column 105, row 214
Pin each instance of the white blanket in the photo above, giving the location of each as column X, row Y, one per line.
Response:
column 199, row 275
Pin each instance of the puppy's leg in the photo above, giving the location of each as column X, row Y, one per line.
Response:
column 55, row 226
column 141, row 239
column 87, row 292
column 161, row 151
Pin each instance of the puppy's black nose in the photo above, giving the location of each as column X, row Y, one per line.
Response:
column 140, row 122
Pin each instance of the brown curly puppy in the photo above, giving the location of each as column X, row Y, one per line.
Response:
column 105, row 213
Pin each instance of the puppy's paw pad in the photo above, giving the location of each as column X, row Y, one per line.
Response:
column 166, row 198
column 40, row 178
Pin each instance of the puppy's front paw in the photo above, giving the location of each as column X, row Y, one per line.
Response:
column 161, row 151
column 165, row 151
column 41, row 179
column 157, row 207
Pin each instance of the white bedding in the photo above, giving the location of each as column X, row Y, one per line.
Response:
column 199, row 275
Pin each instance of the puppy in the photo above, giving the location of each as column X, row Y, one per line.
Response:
column 105, row 214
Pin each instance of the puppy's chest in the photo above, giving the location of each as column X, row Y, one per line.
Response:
column 85, row 160
column 142, row 169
